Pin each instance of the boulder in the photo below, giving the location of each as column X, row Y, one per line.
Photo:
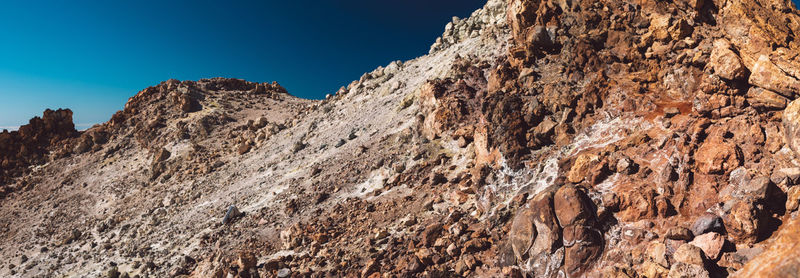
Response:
column 710, row 243
column 708, row 222
column 582, row 241
column 745, row 221
column 572, row 206
column 765, row 99
column 583, row 245
column 548, row 237
column 725, row 62
column 716, row 156
column 582, row 166
column 523, row 233
column 767, row 75
column 781, row 258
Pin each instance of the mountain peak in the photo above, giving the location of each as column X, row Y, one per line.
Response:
column 536, row 139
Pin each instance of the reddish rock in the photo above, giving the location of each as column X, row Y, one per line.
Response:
column 689, row 254
column 725, row 62
column 780, row 258
column 523, row 233
column 765, row 99
column 32, row 142
column 431, row 233
column 583, row 246
column 583, row 242
column 745, row 221
column 582, row 166
column 717, row 157
column 544, row 218
column 710, row 243
column 572, row 206
column 767, row 75
column 638, row 204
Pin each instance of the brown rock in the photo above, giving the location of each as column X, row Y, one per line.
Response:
column 679, row 233
column 246, row 260
column 689, row 254
column 725, row 62
column 657, row 253
column 710, row 243
column 583, row 245
column 544, row 218
column 431, row 233
column 765, row 99
column 523, row 233
column 744, row 222
column 792, row 198
column 655, row 270
column 161, row 155
column 637, row 204
column 717, row 157
column 736, row 260
column 659, row 26
column 696, row 4
column 582, row 166
column 572, row 206
column 786, row 176
column 791, row 126
column 780, row 258
column 681, row 29
column 370, row 268
column 767, row 75
column 684, row 270
column 243, row 148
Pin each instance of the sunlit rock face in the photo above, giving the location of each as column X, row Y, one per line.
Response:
column 537, row 138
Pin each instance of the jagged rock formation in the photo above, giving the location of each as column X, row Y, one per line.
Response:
column 537, row 138
column 31, row 144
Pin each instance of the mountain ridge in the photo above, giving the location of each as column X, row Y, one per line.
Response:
column 537, row 138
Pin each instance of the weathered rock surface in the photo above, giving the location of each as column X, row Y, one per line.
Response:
column 538, row 138
column 780, row 259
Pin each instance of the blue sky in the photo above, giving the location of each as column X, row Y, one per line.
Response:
column 90, row 56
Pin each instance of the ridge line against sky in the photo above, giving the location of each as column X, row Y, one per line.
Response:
column 91, row 56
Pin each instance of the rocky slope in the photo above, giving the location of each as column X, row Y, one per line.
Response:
column 537, row 138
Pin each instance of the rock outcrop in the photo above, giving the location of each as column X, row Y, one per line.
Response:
column 536, row 139
column 32, row 144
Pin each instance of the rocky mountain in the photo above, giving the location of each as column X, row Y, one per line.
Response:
column 569, row 138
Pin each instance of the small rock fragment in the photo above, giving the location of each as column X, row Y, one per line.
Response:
column 231, row 214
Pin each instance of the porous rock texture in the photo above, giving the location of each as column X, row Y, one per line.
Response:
column 537, row 138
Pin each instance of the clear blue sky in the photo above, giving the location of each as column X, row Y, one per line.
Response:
column 90, row 56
